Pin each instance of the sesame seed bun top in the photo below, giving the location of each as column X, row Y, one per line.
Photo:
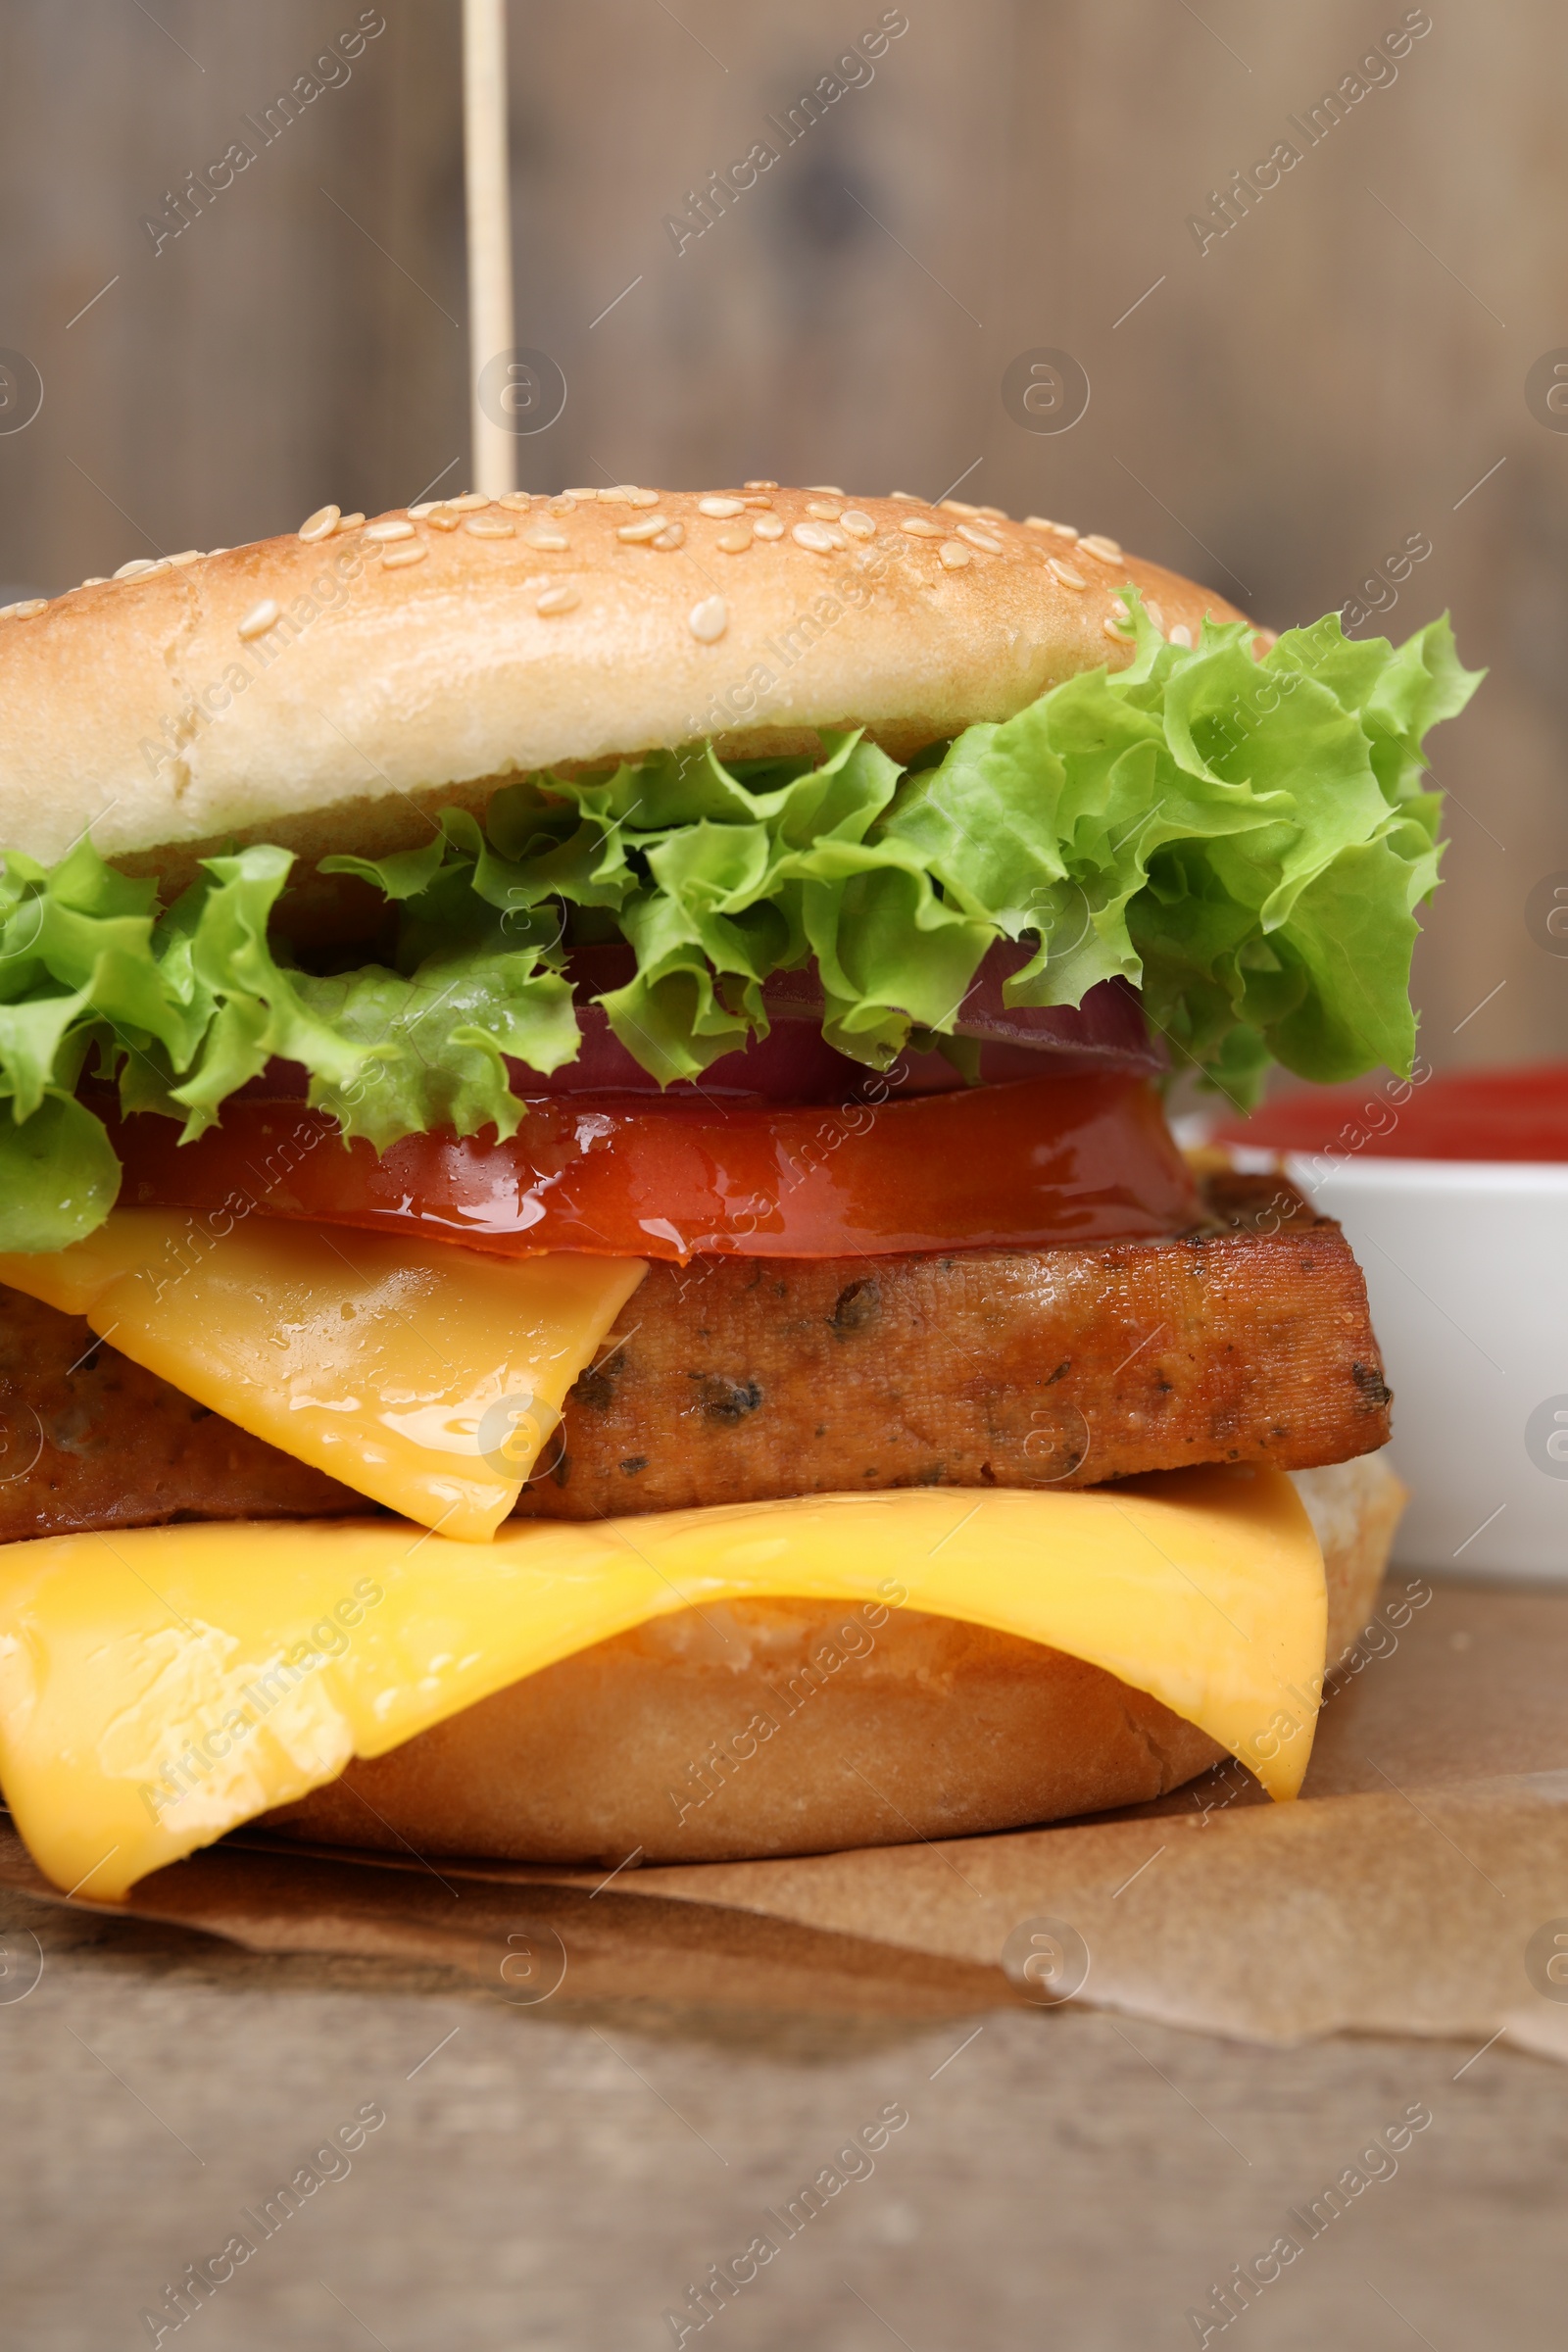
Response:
column 328, row 688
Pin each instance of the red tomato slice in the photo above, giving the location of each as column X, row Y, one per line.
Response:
column 1048, row 1160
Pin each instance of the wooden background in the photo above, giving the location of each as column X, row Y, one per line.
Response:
column 1281, row 413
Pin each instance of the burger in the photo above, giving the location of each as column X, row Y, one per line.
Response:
column 594, row 1267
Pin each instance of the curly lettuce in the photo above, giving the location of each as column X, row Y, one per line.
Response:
column 1245, row 841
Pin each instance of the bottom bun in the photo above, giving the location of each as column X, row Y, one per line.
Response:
column 788, row 1727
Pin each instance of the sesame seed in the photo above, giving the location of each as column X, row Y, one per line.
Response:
column 188, row 554
column 642, row 497
column 768, row 526
column 956, row 506
column 857, row 524
column 490, row 526
column 757, row 501
column 540, row 534
column 344, row 522
column 397, row 558
column 426, row 506
column 26, row 609
column 98, row 580
column 216, row 550
column 135, row 568
column 587, row 495
column 468, row 502
column 910, row 498
column 1103, row 549
column 827, row 489
column 1118, row 630
column 822, row 511
column 819, row 537
column 517, row 500
column 919, row 527
column 393, row 527
column 1181, row 634
column 637, row 534
column 442, row 518
column 1066, row 574
column 735, row 541
column 708, row 620
column 322, row 525
column 673, row 535
column 986, row 541
column 1038, row 522
column 722, row 509
column 558, row 600
column 258, row 620
column 994, row 514
column 1155, row 614
column 953, row 557
column 1120, row 607
column 760, row 484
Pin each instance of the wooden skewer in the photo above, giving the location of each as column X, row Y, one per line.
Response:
column 489, row 208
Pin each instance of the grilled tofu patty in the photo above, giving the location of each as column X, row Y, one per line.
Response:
column 731, row 1380
column 735, row 1380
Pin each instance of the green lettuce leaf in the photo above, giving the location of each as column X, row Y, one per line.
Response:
column 58, row 1176
column 1247, row 842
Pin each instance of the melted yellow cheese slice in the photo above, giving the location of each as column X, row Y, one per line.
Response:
column 161, row 1686
column 426, row 1376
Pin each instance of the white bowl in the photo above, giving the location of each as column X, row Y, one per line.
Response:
column 1467, row 1265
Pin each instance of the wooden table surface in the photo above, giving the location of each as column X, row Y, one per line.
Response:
column 558, row 2176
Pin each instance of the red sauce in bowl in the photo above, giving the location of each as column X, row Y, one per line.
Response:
column 1509, row 1114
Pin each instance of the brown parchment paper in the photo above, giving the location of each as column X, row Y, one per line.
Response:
column 1408, row 1892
